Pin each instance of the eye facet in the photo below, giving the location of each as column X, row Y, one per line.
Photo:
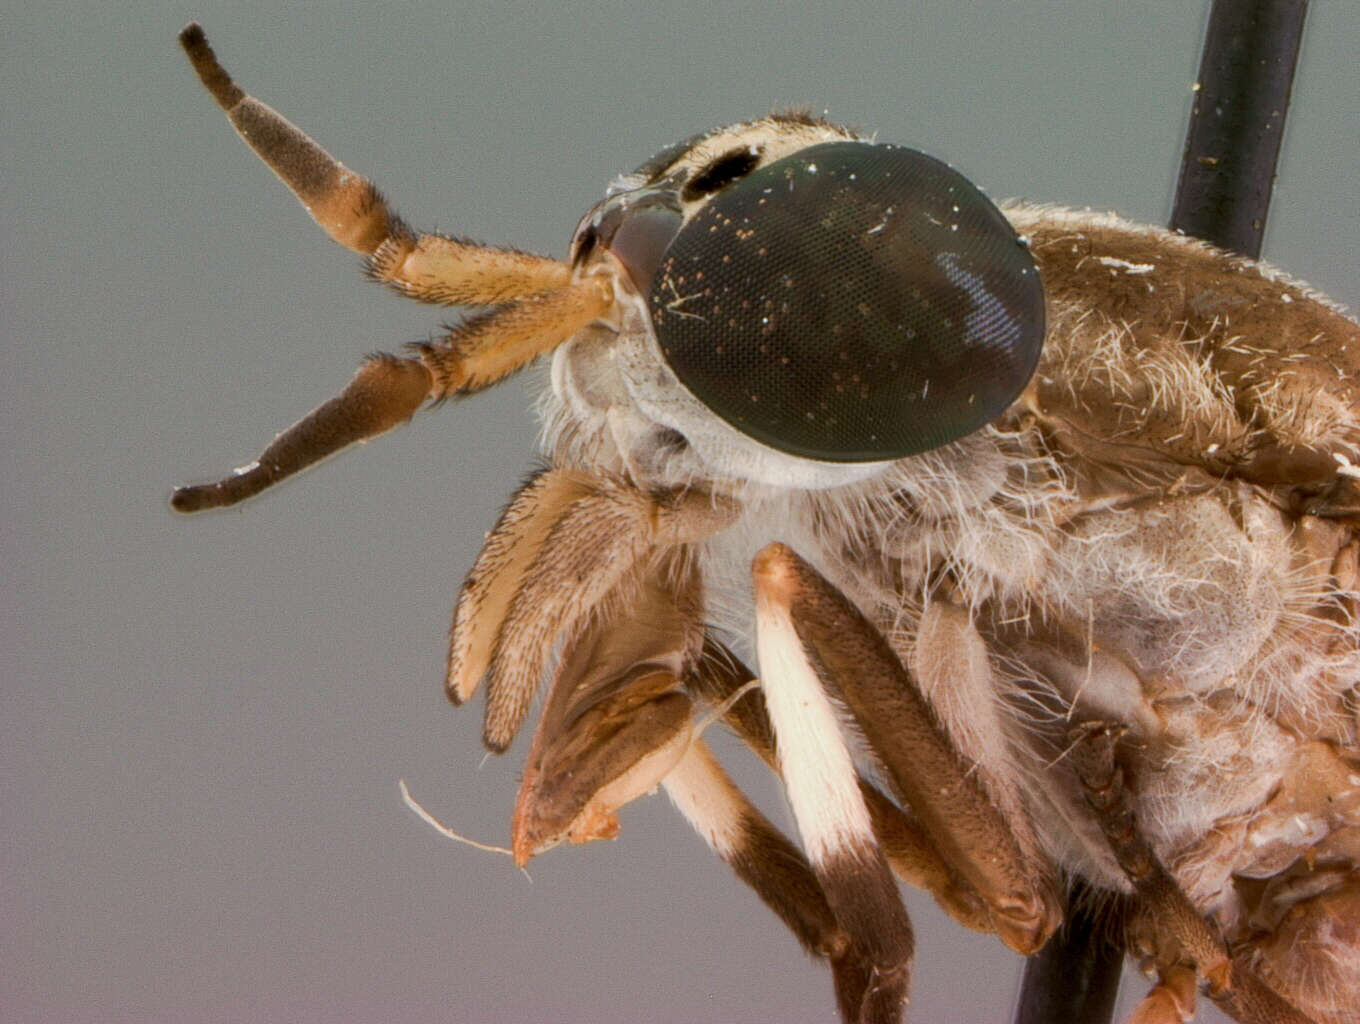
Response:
column 851, row 303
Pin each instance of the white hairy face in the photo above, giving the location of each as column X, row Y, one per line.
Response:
column 814, row 287
column 619, row 402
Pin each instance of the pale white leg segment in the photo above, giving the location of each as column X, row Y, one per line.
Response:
column 764, row 859
column 823, row 788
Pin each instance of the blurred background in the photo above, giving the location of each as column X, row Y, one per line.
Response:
column 204, row 719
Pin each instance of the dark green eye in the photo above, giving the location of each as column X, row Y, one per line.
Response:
column 850, row 303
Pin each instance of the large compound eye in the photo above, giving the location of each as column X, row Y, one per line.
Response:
column 850, row 303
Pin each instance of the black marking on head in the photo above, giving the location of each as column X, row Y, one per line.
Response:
column 732, row 166
column 670, row 441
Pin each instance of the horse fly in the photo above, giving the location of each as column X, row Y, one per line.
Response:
column 1038, row 525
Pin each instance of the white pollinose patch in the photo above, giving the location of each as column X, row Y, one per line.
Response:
column 818, row 772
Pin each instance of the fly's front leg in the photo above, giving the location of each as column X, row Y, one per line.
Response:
column 1166, row 926
column 617, row 722
column 823, row 787
column 908, row 849
column 350, row 209
column 765, row 859
column 852, row 660
column 387, row 391
column 538, row 303
column 564, row 543
column 641, row 734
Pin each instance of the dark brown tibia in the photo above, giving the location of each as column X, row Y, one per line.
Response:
column 910, row 853
column 1176, row 932
column 349, row 207
column 832, row 819
column 384, row 393
column 866, row 902
column 775, row 868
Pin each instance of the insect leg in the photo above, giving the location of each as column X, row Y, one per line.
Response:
column 387, row 391
column 560, row 548
column 769, row 863
column 909, row 852
column 823, row 789
column 616, row 719
column 616, row 722
column 429, row 267
column 484, row 349
column 1168, row 923
column 384, row 393
column 927, row 772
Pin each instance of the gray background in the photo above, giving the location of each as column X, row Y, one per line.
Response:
column 204, row 719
